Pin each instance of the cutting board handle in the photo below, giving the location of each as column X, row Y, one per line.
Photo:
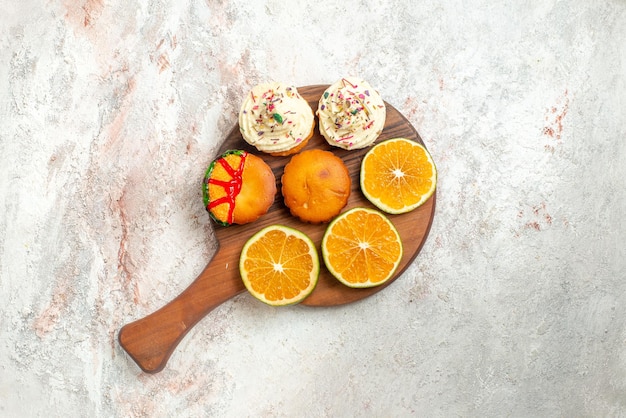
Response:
column 150, row 341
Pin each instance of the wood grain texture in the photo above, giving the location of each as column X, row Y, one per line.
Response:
column 151, row 340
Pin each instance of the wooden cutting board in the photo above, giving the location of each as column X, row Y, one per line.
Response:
column 151, row 340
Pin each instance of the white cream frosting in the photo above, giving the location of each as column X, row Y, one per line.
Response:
column 351, row 114
column 275, row 118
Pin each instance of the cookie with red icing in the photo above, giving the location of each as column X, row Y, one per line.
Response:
column 238, row 188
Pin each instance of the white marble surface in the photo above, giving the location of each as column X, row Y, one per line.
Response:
column 516, row 305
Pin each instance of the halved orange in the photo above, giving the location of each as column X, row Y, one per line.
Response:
column 398, row 175
column 279, row 265
column 362, row 248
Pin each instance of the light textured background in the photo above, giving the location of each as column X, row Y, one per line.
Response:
column 516, row 305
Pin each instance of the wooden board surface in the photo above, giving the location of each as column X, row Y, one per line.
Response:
column 151, row 340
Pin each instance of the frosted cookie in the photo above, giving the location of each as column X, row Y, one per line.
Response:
column 351, row 114
column 275, row 119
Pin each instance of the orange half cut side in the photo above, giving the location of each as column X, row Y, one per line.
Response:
column 362, row 248
column 279, row 265
column 398, row 175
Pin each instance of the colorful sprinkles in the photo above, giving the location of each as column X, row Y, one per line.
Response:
column 275, row 117
column 348, row 112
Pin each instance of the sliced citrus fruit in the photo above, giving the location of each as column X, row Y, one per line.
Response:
column 279, row 265
column 362, row 248
column 398, row 175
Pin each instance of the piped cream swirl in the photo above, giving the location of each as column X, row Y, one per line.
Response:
column 351, row 114
column 275, row 118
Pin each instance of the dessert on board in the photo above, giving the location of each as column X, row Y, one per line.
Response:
column 315, row 185
column 238, row 188
column 275, row 119
column 351, row 114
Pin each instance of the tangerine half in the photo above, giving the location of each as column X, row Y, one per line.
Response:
column 398, row 175
column 362, row 248
column 279, row 265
